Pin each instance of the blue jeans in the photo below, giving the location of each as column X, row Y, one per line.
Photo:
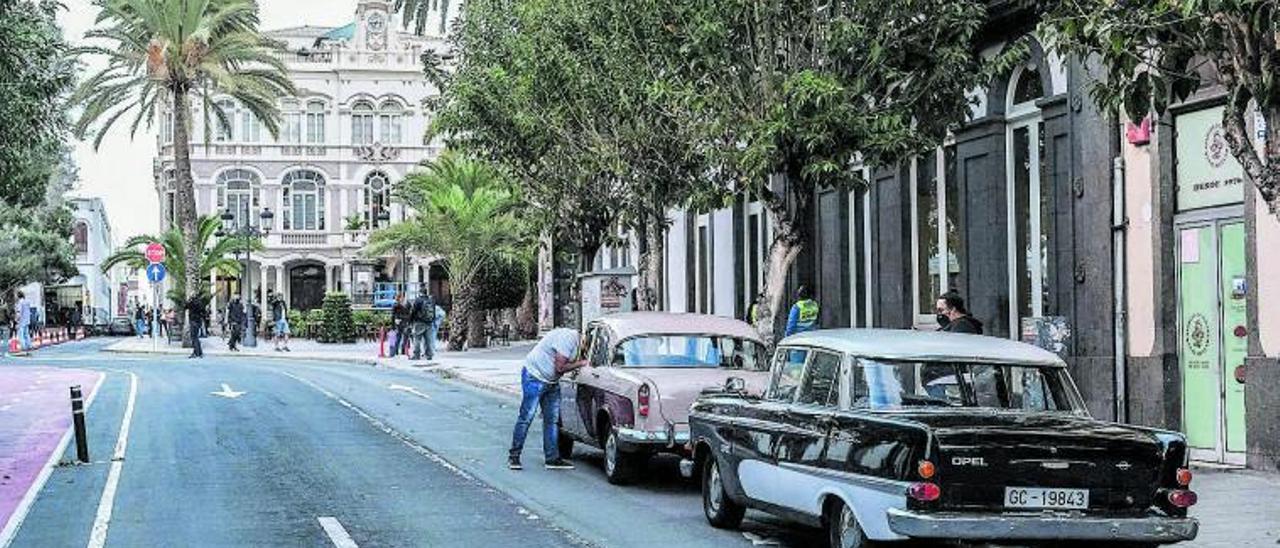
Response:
column 538, row 394
column 24, row 338
column 141, row 326
column 431, row 341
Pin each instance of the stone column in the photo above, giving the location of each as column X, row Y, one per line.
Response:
column 346, row 279
column 262, row 286
column 280, row 283
column 328, row 277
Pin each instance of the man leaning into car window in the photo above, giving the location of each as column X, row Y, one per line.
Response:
column 540, row 384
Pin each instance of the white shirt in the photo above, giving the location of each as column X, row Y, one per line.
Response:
column 541, row 361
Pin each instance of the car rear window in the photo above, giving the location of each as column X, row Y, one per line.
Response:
column 690, row 351
column 883, row 384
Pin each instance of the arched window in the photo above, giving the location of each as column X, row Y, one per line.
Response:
column 315, row 122
column 239, row 190
column 389, row 117
column 303, row 200
column 1030, row 200
column 362, row 123
column 80, row 237
column 224, row 128
column 377, row 197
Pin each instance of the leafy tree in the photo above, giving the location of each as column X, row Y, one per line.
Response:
column 173, row 53
column 337, row 325
column 216, row 256
column 35, row 77
column 465, row 213
column 796, row 93
column 36, row 246
column 1158, row 52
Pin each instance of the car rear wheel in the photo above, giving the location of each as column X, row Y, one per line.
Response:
column 720, row 510
column 843, row 530
column 619, row 467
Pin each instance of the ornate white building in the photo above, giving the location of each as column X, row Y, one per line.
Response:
column 354, row 130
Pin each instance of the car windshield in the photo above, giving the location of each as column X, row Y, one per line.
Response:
column 883, row 384
column 690, row 351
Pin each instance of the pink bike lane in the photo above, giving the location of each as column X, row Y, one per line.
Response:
column 35, row 414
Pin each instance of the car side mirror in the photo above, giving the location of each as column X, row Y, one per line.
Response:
column 735, row 384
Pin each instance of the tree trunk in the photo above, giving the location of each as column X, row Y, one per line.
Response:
column 1261, row 164
column 789, row 237
column 459, row 317
column 649, row 285
column 475, row 329
column 185, row 198
column 526, row 325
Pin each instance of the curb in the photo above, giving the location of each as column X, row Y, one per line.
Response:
column 451, row 373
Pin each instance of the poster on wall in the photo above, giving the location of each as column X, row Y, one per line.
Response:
column 1207, row 174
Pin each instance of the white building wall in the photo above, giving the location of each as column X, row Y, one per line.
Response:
column 677, row 267
column 723, row 272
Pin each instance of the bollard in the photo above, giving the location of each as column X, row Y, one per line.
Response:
column 77, row 417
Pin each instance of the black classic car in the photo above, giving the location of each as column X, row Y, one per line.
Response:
column 886, row 435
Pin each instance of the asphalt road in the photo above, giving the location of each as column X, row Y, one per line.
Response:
column 312, row 451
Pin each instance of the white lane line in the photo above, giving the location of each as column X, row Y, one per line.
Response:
column 409, row 389
column 98, row 537
column 337, row 534
column 10, row 530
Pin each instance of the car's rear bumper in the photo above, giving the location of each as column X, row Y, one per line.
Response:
column 669, row 439
column 1002, row 526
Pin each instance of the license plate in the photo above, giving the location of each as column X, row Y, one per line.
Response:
column 1039, row 497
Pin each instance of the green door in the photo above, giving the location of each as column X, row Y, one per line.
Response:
column 1212, row 337
column 1198, row 336
column 1234, row 332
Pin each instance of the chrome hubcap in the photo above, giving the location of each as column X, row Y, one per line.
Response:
column 848, row 527
column 714, row 492
column 610, row 454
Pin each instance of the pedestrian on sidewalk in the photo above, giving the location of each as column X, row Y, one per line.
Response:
column 804, row 314
column 195, row 317
column 235, row 322
column 552, row 357
column 280, row 317
column 421, row 317
column 953, row 317
column 435, row 332
column 140, row 320
column 399, row 326
column 22, row 311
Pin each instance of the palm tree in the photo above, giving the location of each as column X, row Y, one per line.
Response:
column 173, row 53
column 215, row 258
column 465, row 213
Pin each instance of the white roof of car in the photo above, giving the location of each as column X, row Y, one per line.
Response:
column 630, row 324
column 902, row 344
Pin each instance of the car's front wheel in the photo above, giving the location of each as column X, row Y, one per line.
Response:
column 843, row 530
column 619, row 467
column 721, row 511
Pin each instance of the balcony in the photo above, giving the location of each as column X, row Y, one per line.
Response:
column 302, row 239
column 340, row 58
column 296, row 152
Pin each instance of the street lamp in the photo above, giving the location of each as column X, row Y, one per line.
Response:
column 384, row 216
column 247, row 231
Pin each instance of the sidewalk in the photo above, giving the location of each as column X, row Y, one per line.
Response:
column 495, row 368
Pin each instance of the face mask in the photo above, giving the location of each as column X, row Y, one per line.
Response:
column 943, row 320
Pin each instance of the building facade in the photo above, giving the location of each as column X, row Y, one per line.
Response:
column 91, row 291
column 1144, row 256
column 355, row 130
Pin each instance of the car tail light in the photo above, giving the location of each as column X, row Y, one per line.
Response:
column 926, row 469
column 924, row 491
column 644, row 400
column 1183, row 498
column 1184, row 477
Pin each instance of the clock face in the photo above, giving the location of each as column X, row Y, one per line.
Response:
column 377, row 24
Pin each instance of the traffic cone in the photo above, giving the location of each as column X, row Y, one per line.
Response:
column 80, row 333
column 38, row 341
column 13, row 345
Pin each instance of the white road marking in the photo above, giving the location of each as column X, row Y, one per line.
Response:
column 10, row 530
column 337, row 533
column 409, row 389
column 227, row 392
column 757, row 540
column 98, row 537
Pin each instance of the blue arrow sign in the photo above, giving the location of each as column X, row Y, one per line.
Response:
column 155, row 272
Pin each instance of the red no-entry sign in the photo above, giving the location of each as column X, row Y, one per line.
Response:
column 155, row 253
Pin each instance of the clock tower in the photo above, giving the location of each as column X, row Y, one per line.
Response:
column 375, row 24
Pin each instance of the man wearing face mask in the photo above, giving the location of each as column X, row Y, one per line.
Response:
column 953, row 317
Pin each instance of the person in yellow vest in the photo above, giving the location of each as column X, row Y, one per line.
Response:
column 804, row 314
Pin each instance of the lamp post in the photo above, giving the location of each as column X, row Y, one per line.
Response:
column 247, row 231
column 384, row 216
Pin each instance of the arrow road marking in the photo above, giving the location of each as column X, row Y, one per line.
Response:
column 227, row 392
column 409, row 389
column 337, row 533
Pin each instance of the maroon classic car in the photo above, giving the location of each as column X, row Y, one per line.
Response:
column 645, row 369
